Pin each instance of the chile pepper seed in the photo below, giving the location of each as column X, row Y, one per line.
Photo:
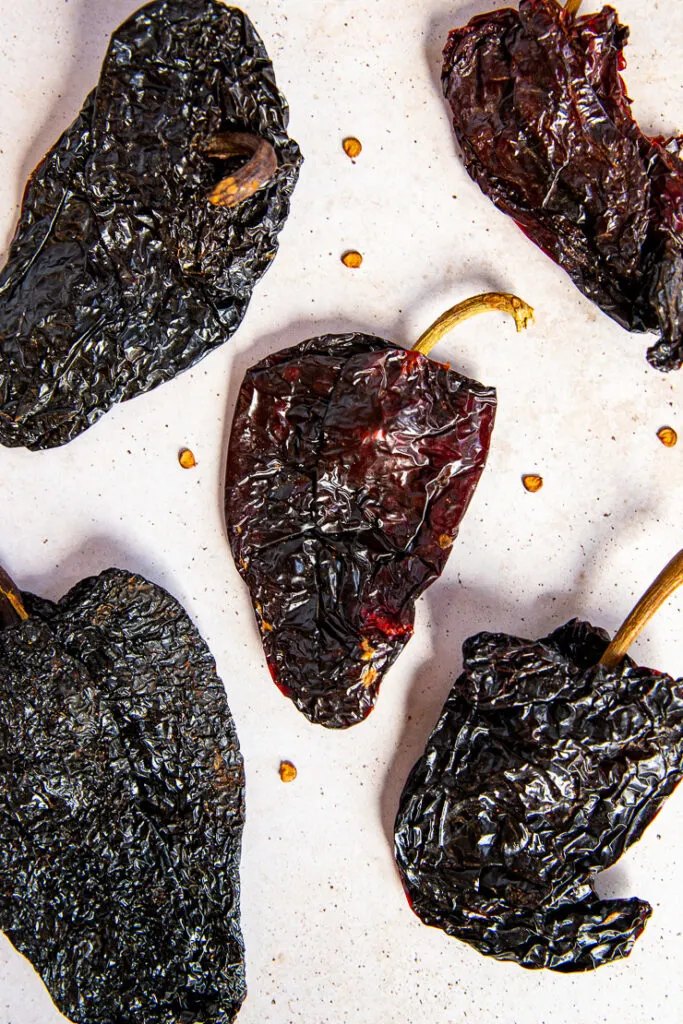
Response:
column 668, row 437
column 352, row 147
column 532, row 482
column 186, row 458
column 288, row 771
column 352, row 259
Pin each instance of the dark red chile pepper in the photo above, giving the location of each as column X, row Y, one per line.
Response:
column 350, row 466
column 123, row 805
column 546, row 130
column 549, row 760
column 146, row 227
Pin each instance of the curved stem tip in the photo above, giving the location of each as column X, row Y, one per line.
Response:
column 522, row 314
column 257, row 171
column 669, row 579
column 12, row 610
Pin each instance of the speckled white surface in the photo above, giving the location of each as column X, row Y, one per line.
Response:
column 329, row 935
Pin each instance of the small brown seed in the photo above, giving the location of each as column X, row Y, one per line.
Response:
column 352, row 259
column 668, row 437
column 287, row 771
column 532, row 482
column 186, row 458
column 352, row 147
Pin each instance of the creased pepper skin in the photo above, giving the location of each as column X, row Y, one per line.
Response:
column 350, row 466
column 123, row 808
column 121, row 273
column 543, row 120
column 541, row 771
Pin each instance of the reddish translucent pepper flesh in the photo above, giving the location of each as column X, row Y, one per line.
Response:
column 546, row 130
column 350, row 461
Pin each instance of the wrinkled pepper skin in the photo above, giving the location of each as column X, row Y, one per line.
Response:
column 350, row 466
column 123, row 807
column 542, row 770
column 543, row 120
column 121, row 273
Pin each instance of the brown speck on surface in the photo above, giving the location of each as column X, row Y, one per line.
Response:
column 668, row 436
column 352, row 259
column 532, row 482
column 288, row 771
column 186, row 458
column 352, row 147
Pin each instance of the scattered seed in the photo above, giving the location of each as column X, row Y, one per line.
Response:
column 186, row 458
column 352, row 259
column 668, row 437
column 287, row 771
column 445, row 541
column 532, row 482
column 352, row 147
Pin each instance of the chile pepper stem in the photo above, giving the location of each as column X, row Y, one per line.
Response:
column 669, row 579
column 572, row 6
column 522, row 313
column 258, row 170
column 12, row 609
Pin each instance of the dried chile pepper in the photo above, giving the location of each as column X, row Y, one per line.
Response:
column 143, row 231
column 545, row 126
column 549, row 760
column 351, row 463
column 123, row 807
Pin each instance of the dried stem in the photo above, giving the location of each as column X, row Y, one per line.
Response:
column 258, row 171
column 12, row 610
column 518, row 309
column 669, row 579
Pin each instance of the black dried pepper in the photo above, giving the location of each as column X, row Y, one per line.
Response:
column 126, row 268
column 545, row 126
column 549, row 760
column 123, row 806
column 350, row 466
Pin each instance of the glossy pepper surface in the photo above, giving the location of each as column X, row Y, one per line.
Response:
column 131, row 260
column 545, row 126
column 544, row 767
column 351, row 463
column 123, row 805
